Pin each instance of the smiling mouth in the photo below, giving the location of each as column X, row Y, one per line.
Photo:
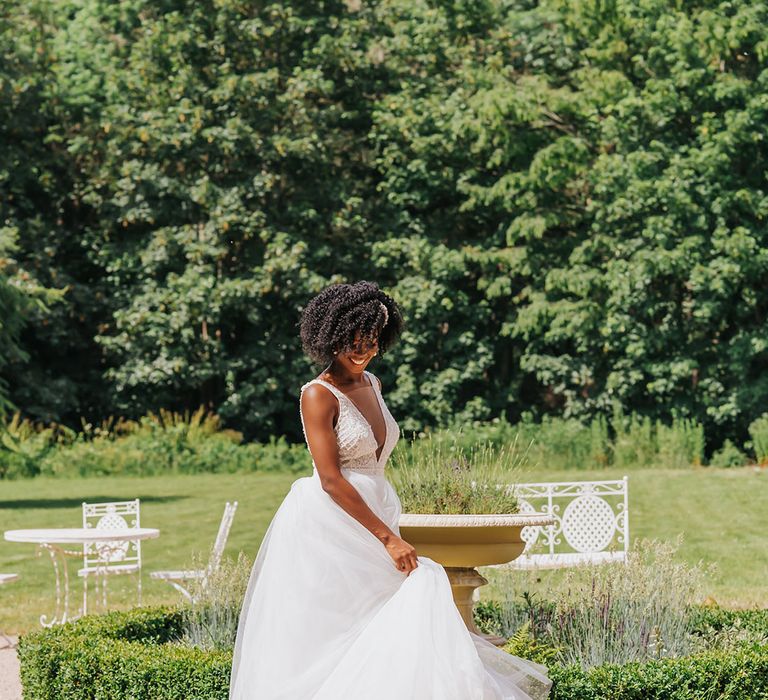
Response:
column 359, row 362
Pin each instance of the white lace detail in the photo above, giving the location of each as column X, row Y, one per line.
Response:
column 354, row 436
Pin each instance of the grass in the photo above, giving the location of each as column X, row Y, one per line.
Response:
column 186, row 508
column 721, row 513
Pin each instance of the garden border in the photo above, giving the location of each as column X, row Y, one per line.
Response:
column 125, row 656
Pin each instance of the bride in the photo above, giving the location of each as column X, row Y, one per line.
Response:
column 338, row 606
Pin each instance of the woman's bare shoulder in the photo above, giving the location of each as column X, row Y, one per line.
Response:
column 315, row 395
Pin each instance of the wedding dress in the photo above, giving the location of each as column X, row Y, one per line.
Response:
column 327, row 615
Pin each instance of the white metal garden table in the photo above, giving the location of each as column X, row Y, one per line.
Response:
column 49, row 539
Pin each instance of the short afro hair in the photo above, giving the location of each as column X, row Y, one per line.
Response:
column 331, row 320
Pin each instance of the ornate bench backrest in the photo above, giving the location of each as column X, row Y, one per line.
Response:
column 592, row 523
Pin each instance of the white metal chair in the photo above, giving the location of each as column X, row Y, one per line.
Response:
column 104, row 559
column 180, row 577
column 592, row 527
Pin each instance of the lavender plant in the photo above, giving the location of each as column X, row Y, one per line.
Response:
column 210, row 621
column 610, row 613
column 443, row 475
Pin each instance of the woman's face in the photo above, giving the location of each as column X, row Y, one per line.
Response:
column 357, row 359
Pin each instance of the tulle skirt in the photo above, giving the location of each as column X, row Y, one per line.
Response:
column 327, row 616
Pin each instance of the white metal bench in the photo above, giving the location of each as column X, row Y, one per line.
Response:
column 592, row 523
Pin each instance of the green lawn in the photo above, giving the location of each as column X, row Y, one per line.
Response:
column 723, row 515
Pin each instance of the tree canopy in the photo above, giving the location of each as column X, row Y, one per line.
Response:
column 566, row 198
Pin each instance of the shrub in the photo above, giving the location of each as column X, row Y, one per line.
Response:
column 715, row 628
column 705, row 617
column 22, row 446
column 728, row 456
column 509, row 615
column 758, row 431
column 554, row 442
column 487, row 614
column 741, row 674
column 163, row 443
column 175, row 443
column 634, row 444
column 567, row 443
column 616, row 613
column 138, row 655
column 524, row 644
column 710, row 627
column 680, row 444
column 120, row 655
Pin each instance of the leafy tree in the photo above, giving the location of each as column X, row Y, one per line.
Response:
column 28, row 184
column 567, row 198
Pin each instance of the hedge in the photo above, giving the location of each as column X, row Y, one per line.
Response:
column 721, row 675
column 121, row 655
column 133, row 656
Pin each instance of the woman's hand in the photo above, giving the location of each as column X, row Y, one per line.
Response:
column 403, row 554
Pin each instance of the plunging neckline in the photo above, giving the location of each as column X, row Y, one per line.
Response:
column 360, row 413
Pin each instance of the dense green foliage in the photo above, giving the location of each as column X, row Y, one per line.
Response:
column 21, row 184
column 168, row 443
column 120, row 655
column 567, row 199
column 174, row 443
column 136, row 652
column 707, row 618
column 727, row 675
column 733, row 663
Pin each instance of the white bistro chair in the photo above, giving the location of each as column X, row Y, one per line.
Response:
column 105, row 559
column 178, row 578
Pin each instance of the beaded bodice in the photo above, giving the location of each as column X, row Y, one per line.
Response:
column 354, row 435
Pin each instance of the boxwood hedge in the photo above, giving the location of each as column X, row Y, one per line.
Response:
column 121, row 655
column 134, row 655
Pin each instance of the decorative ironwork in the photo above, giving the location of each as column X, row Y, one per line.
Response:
column 102, row 559
column 61, row 612
column 594, row 526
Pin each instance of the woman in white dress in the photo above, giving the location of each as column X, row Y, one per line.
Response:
column 338, row 606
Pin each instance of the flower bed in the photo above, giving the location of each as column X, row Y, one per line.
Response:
column 136, row 656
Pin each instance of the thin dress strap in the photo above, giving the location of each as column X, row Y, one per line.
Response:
column 335, row 391
column 374, row 382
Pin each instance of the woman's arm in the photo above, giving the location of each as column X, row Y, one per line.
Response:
column 319, row 408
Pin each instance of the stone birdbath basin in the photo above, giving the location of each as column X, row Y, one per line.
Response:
column 462, row 542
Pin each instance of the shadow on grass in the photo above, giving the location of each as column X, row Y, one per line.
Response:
column 77, row 502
